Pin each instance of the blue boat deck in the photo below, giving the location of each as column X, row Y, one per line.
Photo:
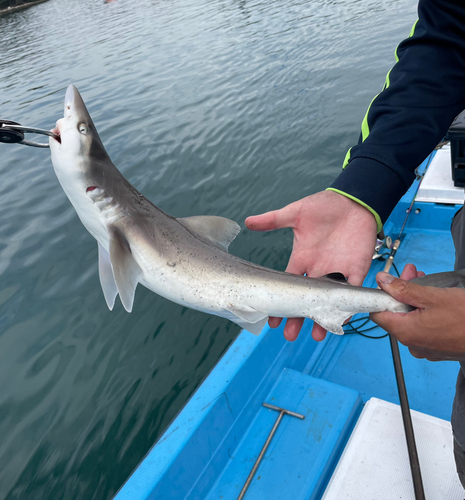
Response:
column 210, row 448
column 366, row 365
column 330, row 412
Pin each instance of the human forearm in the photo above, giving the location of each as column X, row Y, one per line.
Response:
column 422, row 94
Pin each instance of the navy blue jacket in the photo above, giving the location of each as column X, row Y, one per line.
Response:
column 423, row 93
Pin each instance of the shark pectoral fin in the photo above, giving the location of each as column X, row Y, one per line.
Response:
column 332, row 320
column 216, row 230
column 246, row 317
column 107, row 280
column 125, row 269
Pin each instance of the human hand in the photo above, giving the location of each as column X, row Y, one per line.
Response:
column 332, row 233
column 436, row 329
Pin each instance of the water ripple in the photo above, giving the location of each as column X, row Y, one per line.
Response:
column 220, row 107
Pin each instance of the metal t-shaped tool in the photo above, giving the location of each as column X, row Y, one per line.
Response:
column 282, row 412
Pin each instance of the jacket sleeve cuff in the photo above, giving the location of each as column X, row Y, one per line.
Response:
column 379, row 224
column 372, row 184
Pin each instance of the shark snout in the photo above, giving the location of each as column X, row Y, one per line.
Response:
column 74, row 105
column 69, row 97
column 69, row 102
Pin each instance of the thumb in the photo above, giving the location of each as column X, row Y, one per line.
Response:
column 277, row 219
column 404, row 291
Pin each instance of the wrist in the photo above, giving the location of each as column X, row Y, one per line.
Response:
column 364, row 208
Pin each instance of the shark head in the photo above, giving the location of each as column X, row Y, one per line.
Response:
column 78, row 136
column 81, row 163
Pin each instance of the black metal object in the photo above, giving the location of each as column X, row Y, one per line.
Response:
column 9, row 135
column 407, row 419
column 456, row 136
column 404, row 404
column 13, row 133
column 401, row 388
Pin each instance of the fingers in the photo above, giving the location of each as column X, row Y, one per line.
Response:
column 405, row 291
column 409, row 273
column 274, row 322
column 394, row 323
column 408, row 293
column 277, row 219
column 318, row 332
column 416, row 354
column 292, row 328
column 425, row 354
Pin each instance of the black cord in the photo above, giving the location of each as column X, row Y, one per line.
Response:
column 357, row 329
column 352, row 328
column 387, row 254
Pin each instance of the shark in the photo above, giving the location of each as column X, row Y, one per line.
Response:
column 186, row 260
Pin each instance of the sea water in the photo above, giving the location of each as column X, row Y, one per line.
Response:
column 209, row 107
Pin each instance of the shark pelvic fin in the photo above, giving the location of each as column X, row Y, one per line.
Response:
column 107, row 280
column 248, row 318
column 332, row 321
column 218, row 231
column 125, row 269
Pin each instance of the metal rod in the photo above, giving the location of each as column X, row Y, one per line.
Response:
column 287, row 412
column 32, row 130
column 407, row 419
column 282, row 412
column 34, row 144
column 404, row 404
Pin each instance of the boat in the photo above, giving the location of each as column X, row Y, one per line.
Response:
column 341, row 436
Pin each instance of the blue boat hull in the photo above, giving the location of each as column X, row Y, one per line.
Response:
column 209, row 449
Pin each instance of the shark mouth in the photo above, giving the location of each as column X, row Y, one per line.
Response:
column 56, row 131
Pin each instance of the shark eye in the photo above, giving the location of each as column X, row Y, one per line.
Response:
column 82, row 128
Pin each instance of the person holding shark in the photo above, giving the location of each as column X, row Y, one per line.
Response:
column 422, row 95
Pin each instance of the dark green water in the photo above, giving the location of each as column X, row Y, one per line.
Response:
column 226, row 107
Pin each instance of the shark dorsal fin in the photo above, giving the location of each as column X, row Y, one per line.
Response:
column 218, row 231
column 125, row 269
